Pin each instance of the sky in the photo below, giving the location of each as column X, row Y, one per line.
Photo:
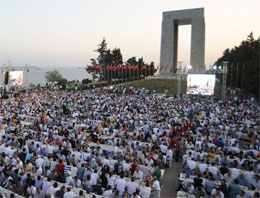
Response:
column 66, row 32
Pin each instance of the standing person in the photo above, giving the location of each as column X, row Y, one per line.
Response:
column 145, row 192
column 38, row 193
column 177, row 149
column 156, row 189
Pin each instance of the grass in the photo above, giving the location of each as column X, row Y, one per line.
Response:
column 160, row 85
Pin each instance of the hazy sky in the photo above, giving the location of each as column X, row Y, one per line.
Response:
column 65, row 32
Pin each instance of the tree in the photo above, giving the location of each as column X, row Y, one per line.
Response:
column 53, row 76
column 105, row 57
column 247, row 54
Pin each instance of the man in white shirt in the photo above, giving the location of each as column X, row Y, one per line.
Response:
column 132, row 187
column 156, row 189
column 39, row 161
column 53, row 189
column 94, row 178
column 138, row 174
column 120, row 184
column 108, row 192
column 145, row 191
column 69, row 194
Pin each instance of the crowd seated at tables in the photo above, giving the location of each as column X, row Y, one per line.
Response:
column 89, row 144
column 58, row 144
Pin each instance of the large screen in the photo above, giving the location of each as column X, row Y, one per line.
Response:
column 202, row 84
column 15, row 78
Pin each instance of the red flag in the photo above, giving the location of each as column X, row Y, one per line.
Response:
column 117, row 67
column 121, row 67
column 98, row 68
column 136, row 67
column 108, row 67
column 125, row 67
column 129, row 67
column 161, row 68
column 171, row 70
column 132, row 67
column 166, row 68
column 142, row 68
column 91, row 67
column 114, row 67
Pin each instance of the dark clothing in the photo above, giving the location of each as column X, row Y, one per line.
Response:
column 59, row 194
column 197, row 182
column 219, row 144
column 223, row 170
column 224, row 189
column 22, row 156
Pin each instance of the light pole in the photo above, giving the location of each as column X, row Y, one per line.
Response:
column 224, row 79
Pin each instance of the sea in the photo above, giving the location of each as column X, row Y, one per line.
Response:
column 36, row 74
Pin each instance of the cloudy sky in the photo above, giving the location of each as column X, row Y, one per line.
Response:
column 65, row 32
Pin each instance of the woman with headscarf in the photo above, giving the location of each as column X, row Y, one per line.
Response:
column 93, row 163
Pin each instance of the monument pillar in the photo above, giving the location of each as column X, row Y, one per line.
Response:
column 169, row 38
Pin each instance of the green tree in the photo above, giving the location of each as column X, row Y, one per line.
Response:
column 105, row 57
column 53, row 76
column 247, row 54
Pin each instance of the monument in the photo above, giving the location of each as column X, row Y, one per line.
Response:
column 169, row 39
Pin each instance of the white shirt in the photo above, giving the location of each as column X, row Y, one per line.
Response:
column 156, row 185
column 120, row 185
column 214, row 193
column 145, row 192
column 131, row 187
column 93, row 178
column 138, row 175
column 108, row 193
column 39, row 162
column 52, row 190
column 69, row 195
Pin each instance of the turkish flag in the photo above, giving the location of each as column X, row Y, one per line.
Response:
column 108, row 67
column 161, row 68
column 136, row 67
column 125, row 67
column 133, row 67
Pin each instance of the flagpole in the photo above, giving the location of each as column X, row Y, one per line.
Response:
column 237, row 75
column 243, row 75
column 231, row 75
column 138, row 77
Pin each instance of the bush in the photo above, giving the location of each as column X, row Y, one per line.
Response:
column 86, row 81
column 70, row 88
column 62, row 81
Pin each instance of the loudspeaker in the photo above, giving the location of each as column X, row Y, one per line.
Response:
column 6, row 78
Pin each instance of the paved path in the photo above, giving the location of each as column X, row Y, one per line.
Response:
column 170, row 180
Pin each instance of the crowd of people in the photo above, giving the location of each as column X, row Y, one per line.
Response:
column 119, row 143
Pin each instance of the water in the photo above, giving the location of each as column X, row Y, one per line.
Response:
column 36, row 74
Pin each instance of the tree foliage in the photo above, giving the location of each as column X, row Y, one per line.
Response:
column 53, row 76
column 107, row 57
column 246, row 53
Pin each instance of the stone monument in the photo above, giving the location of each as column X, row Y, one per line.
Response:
column 169, row 39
